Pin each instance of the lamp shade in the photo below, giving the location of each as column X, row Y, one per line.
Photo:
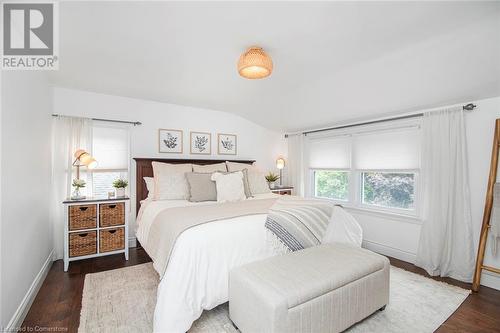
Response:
column 92, row 163
column 79, row 153
column 255, row 64
column 280, row 163
column 85, row 159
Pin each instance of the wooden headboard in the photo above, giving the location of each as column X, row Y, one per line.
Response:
column 144, row 169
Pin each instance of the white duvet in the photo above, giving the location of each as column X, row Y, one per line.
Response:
column 197, row 275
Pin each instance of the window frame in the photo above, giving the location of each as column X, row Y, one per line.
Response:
column 349, row 187
column 400, row 211
column 355, row 176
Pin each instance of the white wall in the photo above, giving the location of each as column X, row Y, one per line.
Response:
column 26, row 235
column 254, row 141
column 480, row 125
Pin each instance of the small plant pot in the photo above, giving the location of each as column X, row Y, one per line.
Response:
column 120, row 192
column 272, row 185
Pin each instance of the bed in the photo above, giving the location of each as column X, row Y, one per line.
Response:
column 196, row 277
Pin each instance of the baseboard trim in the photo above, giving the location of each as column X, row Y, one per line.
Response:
column 489, row 279
column 22, row 310
column 390, row 251
column 132, row 242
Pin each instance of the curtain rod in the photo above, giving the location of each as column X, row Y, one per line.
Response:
column 135, row 123
column 467, row 107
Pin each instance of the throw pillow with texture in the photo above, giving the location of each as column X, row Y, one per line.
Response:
column 170, row 181
column 219, row 167
column 235, row 166
column 229, row 186
column 257, row 182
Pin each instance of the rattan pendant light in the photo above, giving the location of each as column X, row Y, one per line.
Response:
column 255, row 64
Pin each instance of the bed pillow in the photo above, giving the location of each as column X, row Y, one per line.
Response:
column 150, row 185
column 170, row 181
column 246, row 184
column 235, row 166
column 201, row 187
column 221, row 167
column 257, row 182
column 229, row 186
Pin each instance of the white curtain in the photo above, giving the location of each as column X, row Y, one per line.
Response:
column 68, row 135
column 296, row 162
column 446, row 246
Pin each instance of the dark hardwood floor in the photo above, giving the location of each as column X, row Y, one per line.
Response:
column 57, row 305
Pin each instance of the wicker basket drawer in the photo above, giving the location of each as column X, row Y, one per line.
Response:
column 82, row 243
column 111, row 239
column 112, row 214
column 82, row 217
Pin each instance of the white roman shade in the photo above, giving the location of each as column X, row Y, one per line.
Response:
column 330, row 153
column 394, row 149
column 110, row 147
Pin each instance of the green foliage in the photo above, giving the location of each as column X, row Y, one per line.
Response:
column 272, row 177
column 120, row 183
column 394, row 190
column 79, row 183
column 332, row 184
column 389, row 189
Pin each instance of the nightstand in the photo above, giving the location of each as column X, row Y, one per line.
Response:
column 95, row 228
column 283, row 190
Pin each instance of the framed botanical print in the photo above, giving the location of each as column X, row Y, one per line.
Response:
column 226, row 144
column 201, row 143
column 170, row 141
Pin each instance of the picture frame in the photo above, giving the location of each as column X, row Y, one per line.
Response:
column 170, row 141
column 200, row 143
column 227, row 144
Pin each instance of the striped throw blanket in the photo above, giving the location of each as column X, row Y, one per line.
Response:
column 296, row 223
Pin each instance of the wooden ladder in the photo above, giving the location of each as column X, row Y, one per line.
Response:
column 487, row 212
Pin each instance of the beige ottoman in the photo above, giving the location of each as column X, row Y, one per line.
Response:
column 325, row 288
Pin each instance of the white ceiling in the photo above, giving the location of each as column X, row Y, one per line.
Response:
column 333, row 61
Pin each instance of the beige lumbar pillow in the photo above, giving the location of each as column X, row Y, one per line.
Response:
column 201, row 187
column 229, row 186
column 170, row 181
column 219, row 167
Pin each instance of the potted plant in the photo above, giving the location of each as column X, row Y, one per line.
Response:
column 77, row 185
column 271, row 179
column 120, row 185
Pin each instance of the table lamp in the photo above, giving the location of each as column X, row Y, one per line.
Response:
column 280, row 164
column 82, row 158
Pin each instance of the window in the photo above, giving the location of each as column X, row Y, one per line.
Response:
column 330, row 160
column 110, row 147
column 388, row 189
column 374, row 168
column 331, row 184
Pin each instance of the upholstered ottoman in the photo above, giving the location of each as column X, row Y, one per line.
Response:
column 326, row 288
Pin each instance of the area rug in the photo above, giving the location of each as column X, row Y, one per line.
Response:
column 123, row 300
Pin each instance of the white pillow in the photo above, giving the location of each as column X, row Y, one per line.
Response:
column 257, row 182
column 170, row 181
column 229, row 186
column 235, row 166
column 150, row 185
column 221, row 167
column 343, row 228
